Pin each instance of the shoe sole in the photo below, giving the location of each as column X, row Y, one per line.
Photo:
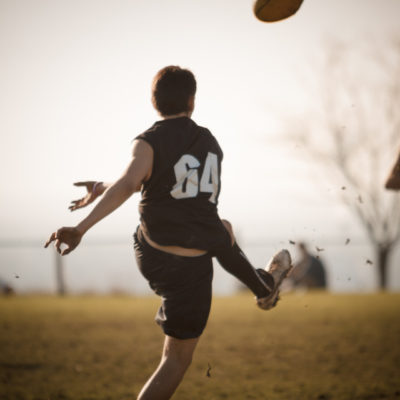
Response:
column 270, row 301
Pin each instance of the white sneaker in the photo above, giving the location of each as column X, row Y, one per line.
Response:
column 279, row 267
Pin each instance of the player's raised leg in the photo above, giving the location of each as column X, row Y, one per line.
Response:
column 263, row 283
column 176, row 358
column 234, row 261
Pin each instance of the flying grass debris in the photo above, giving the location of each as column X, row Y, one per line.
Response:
column 208, row 375
column 369, row 262
column 347, row 241
column 319, row 249
column 292, row 242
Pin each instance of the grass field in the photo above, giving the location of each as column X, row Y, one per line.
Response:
column 314, row 346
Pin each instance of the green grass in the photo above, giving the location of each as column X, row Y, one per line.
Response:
column 314, row 346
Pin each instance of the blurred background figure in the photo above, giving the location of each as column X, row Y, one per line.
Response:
column 5, row 288
column 309, row 271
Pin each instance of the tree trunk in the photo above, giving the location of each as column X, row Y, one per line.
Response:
column 382, row 253
column 59, row 274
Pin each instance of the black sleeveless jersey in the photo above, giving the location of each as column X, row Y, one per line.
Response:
column 179, row 201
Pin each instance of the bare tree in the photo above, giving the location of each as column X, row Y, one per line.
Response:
column 60, row 281
column 393, row 180
column 355, row 134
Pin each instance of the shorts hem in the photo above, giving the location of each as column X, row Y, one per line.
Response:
column 181, row 336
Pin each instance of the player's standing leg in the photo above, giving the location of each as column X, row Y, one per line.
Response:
column 176, row 358
column 185, row 287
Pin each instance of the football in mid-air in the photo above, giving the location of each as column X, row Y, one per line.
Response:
column 275, row 10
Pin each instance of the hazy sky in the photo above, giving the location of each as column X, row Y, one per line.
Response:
column 75, row 89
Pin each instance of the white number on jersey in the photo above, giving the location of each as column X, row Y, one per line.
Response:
column 209, row 180
column 187, row 178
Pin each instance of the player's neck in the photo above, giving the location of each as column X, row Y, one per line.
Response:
column 182, row 114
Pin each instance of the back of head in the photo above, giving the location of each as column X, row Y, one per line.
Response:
column 172, row 89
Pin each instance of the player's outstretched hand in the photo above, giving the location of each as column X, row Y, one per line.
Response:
column 68, row 235
column 93, row 191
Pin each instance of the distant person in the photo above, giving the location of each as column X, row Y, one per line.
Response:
column 308, row 272
column 177, row 165
column 393, row 180
column 6, row 289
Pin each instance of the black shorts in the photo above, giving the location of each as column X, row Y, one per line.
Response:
column 185, row 285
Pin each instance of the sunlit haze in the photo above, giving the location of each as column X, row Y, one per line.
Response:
column 75, row 90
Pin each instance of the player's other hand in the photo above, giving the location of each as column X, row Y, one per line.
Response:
column 67, row 235
column 93, row 191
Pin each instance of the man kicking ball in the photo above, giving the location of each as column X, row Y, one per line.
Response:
column 177, row 166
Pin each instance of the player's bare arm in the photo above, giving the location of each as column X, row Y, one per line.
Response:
column 94, row 190
column 138, row 171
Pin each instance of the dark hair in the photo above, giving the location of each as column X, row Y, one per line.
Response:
column 171, row 90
